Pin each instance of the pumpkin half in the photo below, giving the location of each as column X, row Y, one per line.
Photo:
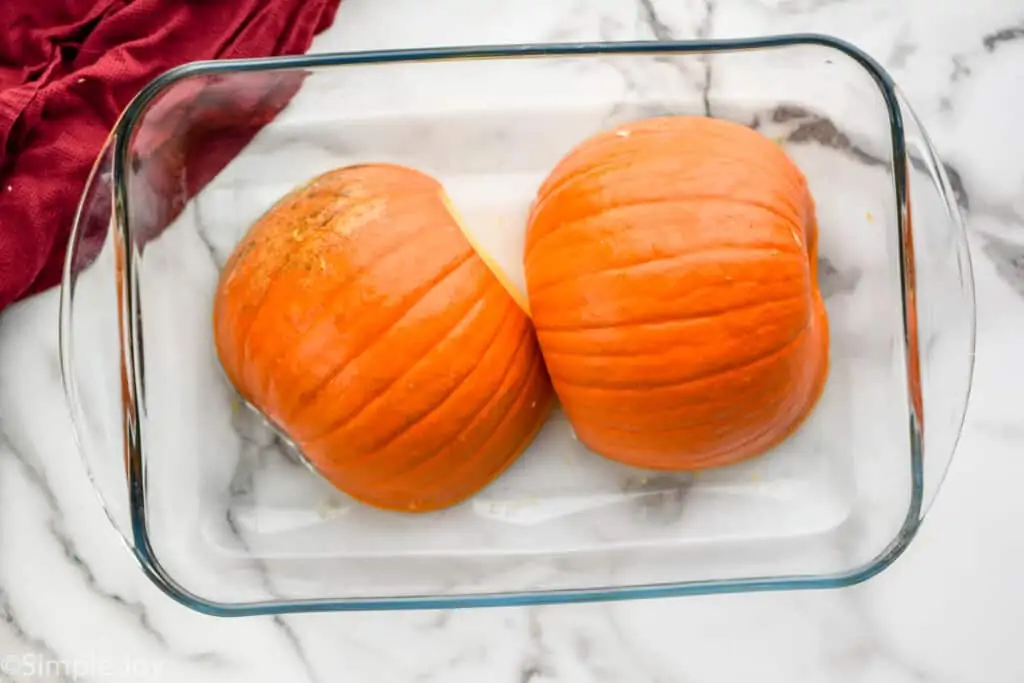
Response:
column 671, row 269
column 356, row 316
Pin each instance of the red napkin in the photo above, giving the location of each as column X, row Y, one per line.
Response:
column 68, row 68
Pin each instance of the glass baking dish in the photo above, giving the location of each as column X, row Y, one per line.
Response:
column 218, row 508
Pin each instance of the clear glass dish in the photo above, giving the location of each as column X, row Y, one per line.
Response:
column 219, row 510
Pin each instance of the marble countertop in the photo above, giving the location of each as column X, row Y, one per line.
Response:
column 75, row 606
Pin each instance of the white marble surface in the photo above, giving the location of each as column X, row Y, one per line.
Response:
column 952, row 609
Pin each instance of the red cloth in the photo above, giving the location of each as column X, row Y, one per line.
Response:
column 69, row 67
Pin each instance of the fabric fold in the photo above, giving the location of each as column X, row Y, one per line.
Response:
column 67, row 70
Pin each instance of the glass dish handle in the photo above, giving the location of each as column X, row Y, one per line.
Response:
column 945, row 302
column 89, row 343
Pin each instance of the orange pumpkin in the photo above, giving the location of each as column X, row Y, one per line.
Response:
column 671, row 269
column 357, row 318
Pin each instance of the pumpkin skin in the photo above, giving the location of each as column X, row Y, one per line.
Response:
column 671, row 269
column 358, row 319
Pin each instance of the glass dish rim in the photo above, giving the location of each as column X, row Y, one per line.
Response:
column 131, row 358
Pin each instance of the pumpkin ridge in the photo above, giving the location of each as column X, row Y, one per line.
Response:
column 307, row 397
column 663, row 320
column 750, row 445
column 608, row 150
column 579, row 162
column 627, row 206
column 573, row 167
column 499, row 328
column 292, row 256
column 346, row 421
column 681, row 322
column 700, row 392
column 318, row 188
column 411, row 423
column 326, row 301
column 411, row 468
column 468, row 421
column 697, row 254
column 489, row 478
column 595, row 152
column 615, row 165
column 633, row 385
column 713, row 458
column 231, row 269
column 510, row 456
column 562, row 177
column 389, row 251
column 610, row 418
column 524, row 443
column 526, row 379
column 545, row 194
column 791, row 414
